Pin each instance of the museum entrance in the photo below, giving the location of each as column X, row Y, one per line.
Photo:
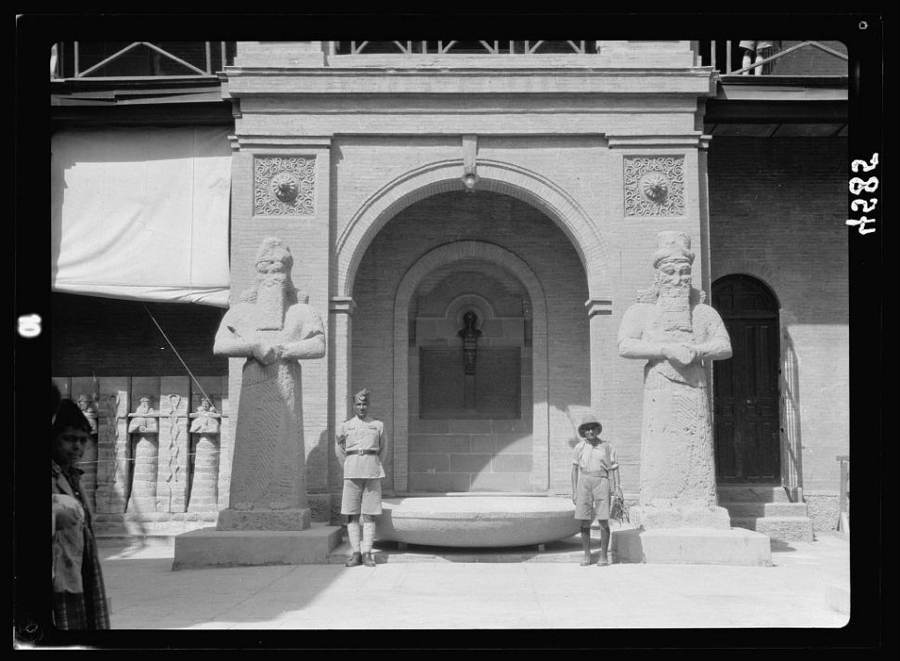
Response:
column 746, row 386
column 455, row 297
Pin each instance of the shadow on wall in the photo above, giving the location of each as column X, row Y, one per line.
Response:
column 317, row 487
column 792, row 464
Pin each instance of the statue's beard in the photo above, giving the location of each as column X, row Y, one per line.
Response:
column 270, row 300
column 675, row 306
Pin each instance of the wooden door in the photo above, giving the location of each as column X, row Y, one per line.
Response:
column 746, row 386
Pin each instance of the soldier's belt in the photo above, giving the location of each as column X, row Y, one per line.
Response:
column 595, row 473
column 361, row 451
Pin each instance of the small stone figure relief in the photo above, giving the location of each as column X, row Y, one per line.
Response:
column 205, row 458
column 469, row 335
column 676, row 333
column 205, row 419
column 140, row 424
column 145, row 456
column 274, row 332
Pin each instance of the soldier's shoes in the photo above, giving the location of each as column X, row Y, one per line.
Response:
column 586, row 562
column 603, row 561
column 354, row 559
column 368, row 559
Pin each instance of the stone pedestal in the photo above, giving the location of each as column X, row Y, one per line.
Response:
column 208, row 547
column 713, row 546
column 673, row 516
column 280, row 520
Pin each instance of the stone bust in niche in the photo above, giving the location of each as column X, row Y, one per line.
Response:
column 469, row 334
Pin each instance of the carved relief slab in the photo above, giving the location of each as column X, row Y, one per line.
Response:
column 654, row 185
column 284, row 186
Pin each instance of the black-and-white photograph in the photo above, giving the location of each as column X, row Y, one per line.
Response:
column 417, row 334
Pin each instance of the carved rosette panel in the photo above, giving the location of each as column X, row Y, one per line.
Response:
column 654, row 185
column 284, row 186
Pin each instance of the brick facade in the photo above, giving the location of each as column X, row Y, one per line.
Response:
column 558, row 159
column 777, row 208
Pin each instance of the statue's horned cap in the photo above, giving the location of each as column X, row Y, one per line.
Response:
column 361, row 396
column 274, row 248
column 672, row 245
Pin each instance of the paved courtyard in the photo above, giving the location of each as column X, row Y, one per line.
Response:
column 807, row 586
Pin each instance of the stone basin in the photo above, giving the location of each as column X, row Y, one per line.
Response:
column 476, row 521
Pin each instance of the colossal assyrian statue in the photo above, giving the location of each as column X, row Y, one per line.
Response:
column 274, row 331
column 677, row 334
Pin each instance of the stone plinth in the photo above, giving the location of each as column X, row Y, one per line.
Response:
column 476, row 521
column 294, row 519
column 675, row 516
column 699, row 546
column 208, row 547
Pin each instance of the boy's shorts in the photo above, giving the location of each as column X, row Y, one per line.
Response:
column 592, row 497
column 361, row 496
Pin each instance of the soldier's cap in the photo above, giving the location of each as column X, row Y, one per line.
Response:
column 587, row 422
column 361, row 396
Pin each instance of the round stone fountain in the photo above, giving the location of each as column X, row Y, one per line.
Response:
column 476, row 520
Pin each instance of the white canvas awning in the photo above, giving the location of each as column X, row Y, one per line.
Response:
column 142, row 213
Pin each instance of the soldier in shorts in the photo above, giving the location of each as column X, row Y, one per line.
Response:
column 361, row 446
column 595, row 476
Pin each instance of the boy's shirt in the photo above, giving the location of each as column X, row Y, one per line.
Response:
column 595, row 458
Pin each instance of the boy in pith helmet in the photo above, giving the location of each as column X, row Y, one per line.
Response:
column 595, row 477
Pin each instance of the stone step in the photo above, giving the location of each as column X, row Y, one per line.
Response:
column 780, row 528
column 753, row 493
column 757, row 509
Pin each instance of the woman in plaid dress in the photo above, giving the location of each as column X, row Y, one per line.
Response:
column 79, row 596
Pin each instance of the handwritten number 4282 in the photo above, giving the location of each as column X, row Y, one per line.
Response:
column 857, row 186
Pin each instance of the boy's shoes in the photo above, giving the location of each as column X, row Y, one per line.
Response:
column 586, row 562
column 354, row 559
column 368, row 559
column 603, row 561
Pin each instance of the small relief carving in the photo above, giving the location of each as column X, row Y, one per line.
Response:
column 206, row 419
column 654, row 186
column 284, row 186
column 86, row 404
column 140, row 424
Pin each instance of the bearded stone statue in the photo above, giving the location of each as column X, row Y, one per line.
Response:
column 677, row 334
column 274, row 331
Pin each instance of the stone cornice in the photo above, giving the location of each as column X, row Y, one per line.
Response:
column 694, row 81
column 597, row 306
column 342, row 305
column 279, row 142
column 695, row 140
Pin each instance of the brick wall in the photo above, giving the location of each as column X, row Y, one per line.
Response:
column 777, row 208
column 811, row 61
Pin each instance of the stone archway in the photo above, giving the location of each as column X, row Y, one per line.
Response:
column 434, row 259
column 495, row 176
